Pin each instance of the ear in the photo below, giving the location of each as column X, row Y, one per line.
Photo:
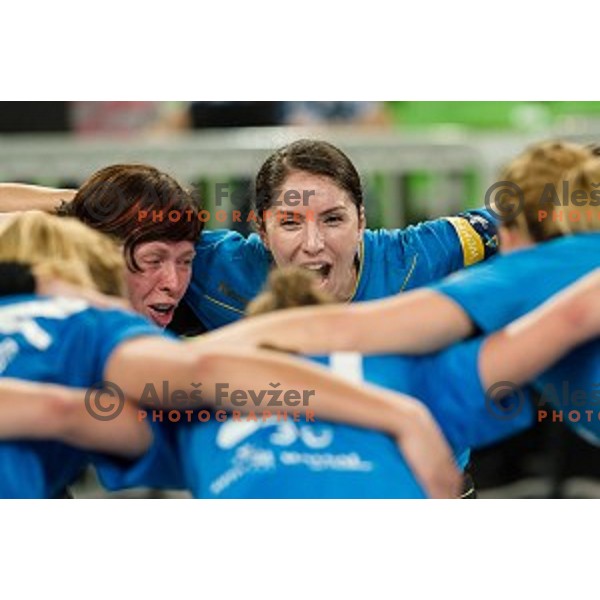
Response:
column 362, row 221
column 262, row 232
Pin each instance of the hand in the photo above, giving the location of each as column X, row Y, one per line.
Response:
column 428, row 454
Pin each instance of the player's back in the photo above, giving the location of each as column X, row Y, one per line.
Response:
column 60, row 341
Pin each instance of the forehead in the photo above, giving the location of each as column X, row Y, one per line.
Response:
column 165, row 248
column 316, row 192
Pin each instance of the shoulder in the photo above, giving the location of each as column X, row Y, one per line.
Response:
column 225, row 242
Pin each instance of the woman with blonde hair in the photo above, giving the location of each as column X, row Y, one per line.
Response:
column 64, row 250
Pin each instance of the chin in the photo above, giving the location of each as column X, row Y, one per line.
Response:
column 159, row 320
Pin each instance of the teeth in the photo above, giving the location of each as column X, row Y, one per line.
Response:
column 315, row 267
column 162, row 307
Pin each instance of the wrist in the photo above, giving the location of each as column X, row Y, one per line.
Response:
column 403, row 413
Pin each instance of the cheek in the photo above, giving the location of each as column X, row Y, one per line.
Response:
column 184, row 280
column 282, row 245
column 344, row 245
column 138, row 286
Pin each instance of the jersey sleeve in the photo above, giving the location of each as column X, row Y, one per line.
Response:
column 229, row 270
column 506, row 287
column 477, row 232
column 446, row 245
column 486, row 293
column 467, row 414
column 92, row 337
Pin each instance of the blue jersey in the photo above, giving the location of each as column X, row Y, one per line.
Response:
column 61, row 341
column 511, row 285
column 230, row 270
column 277, row 458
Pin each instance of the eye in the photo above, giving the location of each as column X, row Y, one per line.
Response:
column 151, row 261
column 290, row 224
column 334, row 219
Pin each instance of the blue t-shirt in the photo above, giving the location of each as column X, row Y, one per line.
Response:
column 230, row 270
column 509, row 286
column 61, row 341
column 287, row 459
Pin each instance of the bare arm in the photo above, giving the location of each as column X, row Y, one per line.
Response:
column 16, row 197
column 533, row 343
column 414, row 322
column 154, row 360
column 44, row 411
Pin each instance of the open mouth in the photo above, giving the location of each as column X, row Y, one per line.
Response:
column 321, row 270
column 161, row 314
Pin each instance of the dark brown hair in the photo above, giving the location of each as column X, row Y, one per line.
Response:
column 312, row 156
column 114, row 200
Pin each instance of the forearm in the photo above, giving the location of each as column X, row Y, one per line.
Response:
column 335, row 399
column 126, row 435
column 413, row 323
column 149, row 362
column 144, row 364
column 31, row 410
column 16, row 197
column 325, row 395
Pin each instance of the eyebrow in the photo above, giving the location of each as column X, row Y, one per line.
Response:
column 160, row 250
column 292, row 212
column 334, row 209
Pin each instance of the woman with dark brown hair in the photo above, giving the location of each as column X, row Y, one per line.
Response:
column 131, row 203
column 309, row 213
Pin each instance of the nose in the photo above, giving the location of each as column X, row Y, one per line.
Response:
column 169, row 277
column 312, row 241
